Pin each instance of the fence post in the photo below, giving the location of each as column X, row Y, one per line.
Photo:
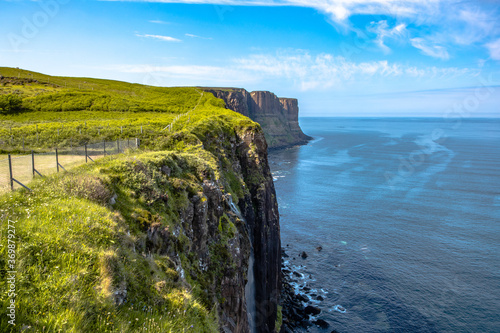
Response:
column 86, row 161
column 118, row 146
column 141, row 129
column 10, row 174
column 104, row 145
column 136, row 142
column 33, row 163
column 57, row 160
column 23, row 142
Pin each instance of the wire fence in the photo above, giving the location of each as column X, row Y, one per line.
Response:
column 18, row 170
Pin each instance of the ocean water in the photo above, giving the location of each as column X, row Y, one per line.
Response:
column 407, row 212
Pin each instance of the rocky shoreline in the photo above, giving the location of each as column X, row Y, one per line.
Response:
column 301, row 304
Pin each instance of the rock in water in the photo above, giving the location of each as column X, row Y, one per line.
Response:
column 303, row 255
column 312, row 310
column 321, row 323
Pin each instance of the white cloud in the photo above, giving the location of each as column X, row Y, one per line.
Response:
column 435, row 51
column 494, row 48
column 298, row 68
column 196, row 36
column 338, row 10
column 188, row 74
column 383, row 32
column 163, row 38
column 159, row 22
column 475, row 26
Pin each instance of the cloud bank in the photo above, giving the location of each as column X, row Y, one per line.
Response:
column 305, row 71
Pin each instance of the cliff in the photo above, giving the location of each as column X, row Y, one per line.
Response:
column 241, row 205
column 182, row 235
column 279, row 117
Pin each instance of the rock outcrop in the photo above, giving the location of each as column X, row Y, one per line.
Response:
column 279, row 117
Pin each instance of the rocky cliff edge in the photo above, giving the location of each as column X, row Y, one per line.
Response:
column 279, row 117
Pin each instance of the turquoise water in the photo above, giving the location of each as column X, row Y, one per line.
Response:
column 407, row 212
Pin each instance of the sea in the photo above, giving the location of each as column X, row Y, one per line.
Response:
column 400, row 219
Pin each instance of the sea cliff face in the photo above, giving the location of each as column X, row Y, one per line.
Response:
column 244, row 154
column 277, row 116
column 236, row 217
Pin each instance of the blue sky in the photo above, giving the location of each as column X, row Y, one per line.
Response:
column 339, row 57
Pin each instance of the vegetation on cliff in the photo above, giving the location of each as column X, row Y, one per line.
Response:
column 146, row 241
column 40, row 92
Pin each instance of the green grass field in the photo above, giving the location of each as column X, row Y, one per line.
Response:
column 41, row 92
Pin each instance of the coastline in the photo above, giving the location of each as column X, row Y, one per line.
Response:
column 301, row 305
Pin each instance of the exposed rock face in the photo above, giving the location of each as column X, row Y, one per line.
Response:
column 291, row 106
column 238, row 100
column 279, row 117
column 218, row 255
column 261, row 212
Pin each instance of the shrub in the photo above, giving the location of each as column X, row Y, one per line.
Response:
column 11, row 103
column 87, row 187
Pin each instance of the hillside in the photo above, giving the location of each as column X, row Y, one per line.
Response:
column 40, row 92
column 107, row 110
column 157, row 240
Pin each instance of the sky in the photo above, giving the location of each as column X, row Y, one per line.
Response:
column 438, row 58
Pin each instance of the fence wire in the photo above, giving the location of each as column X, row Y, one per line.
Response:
column 66, row 158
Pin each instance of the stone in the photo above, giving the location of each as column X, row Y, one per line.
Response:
column 112, row 201
column 312, row 310
column 321, row 323
column 302, row 298
column 304, row 255
column 120, row 293
column 166, row 170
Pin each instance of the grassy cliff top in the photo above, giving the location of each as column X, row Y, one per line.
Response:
column 40, row 92
column 45, row 111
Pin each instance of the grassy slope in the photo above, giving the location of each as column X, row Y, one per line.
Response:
column 111, row 110
column 53, row 93
column 75, row 251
